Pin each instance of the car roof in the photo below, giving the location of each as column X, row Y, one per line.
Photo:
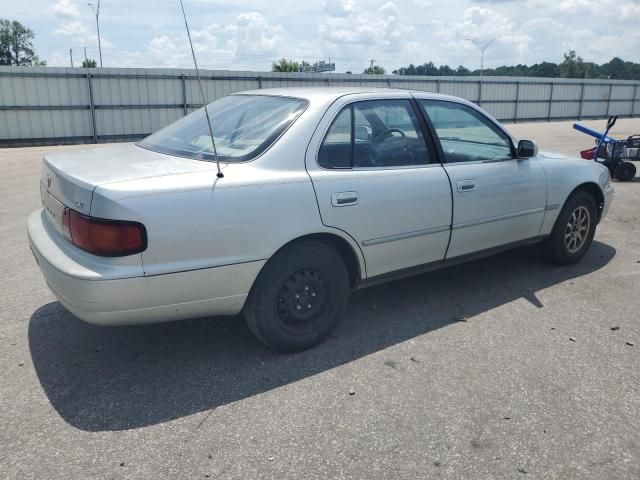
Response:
column 332, row 93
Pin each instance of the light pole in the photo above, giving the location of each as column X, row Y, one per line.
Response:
column 483, row 47
column 96, row 10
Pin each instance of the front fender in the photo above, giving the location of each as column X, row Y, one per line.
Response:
column 564, row 175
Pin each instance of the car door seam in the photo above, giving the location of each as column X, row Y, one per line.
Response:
column 312, row 181
column 439, row 154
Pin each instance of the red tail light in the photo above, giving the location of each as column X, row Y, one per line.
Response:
column 107, row 238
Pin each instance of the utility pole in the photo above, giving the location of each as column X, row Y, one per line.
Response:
column 483, row 47
column 71, row 56
column 371, row 66
column 96, row 10
column 86, row 60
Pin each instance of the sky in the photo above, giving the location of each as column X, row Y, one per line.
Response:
column 250, row 35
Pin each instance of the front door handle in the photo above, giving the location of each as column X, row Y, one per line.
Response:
column 466, row 186
column 343, row 199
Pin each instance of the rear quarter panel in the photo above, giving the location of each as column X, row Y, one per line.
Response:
column 195, row 220
column 198, row 221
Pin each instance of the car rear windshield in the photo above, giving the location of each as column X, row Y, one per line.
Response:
column 244, row 126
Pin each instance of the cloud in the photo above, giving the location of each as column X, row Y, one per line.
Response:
column 365, row 33
column 251, row 37
column 74, row 26
column 479, row 25
column 339, row 8
column 66, row 10
column 389, row 9
column 394, row 32
column 254, row 34
column 581, row 9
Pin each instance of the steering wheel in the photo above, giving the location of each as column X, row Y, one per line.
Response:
column 388, row 132
column 393, row 152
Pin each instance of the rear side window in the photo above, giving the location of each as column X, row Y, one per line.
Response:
column 374, row 134
column 243, row 127
column 465, row 134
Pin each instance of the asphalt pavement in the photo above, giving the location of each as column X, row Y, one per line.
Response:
column 503, row 368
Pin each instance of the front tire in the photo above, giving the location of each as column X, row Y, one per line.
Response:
column 298, row 297
column 573, row 231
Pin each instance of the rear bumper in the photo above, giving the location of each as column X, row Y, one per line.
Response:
column 134, row 300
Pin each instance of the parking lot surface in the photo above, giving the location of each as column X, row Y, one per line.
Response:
column 506, row 367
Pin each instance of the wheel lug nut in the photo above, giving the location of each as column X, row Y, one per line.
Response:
column 306, row 288
column 308, row 306
column 297, row 295
column 298, row 307
column 313, row 294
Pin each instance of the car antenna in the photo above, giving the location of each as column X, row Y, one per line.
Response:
column 204, row 100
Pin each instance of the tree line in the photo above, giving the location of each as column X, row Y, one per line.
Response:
column 572, row 66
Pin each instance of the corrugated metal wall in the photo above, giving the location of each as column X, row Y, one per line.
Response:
column 73, row 105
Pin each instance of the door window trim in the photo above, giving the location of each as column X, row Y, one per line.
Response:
column 434, row 155
column 492, row 125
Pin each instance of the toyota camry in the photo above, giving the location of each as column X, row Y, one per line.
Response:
column 320, row 191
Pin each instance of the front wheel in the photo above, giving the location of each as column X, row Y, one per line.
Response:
column 573, row 231
column 298, row 297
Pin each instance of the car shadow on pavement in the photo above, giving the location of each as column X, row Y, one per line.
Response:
column 118, row 378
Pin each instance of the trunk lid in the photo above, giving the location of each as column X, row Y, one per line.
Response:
column 72, row 176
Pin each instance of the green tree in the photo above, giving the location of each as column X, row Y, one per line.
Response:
column 16, row 45
column 573, row 66
column 617, row 69
column 446, row 70
column 89, row 63
column 375, row 70
column 284, row 65
column 544, row 69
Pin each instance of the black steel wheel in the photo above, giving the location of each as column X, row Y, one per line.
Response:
column 298, row 297
column 302, row 299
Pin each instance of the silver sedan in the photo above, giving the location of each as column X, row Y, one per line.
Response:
column 323, row 190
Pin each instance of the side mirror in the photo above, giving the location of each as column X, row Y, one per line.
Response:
column 527, row 149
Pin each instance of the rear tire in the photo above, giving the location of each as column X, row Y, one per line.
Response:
column 299, row 297
column 573, row 231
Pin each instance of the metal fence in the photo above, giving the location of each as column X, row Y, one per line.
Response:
column 75, row 105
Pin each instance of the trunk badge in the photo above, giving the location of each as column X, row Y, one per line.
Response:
column 79, row 203
column 48, row 180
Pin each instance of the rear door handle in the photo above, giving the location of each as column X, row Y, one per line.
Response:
column 343, row 199
column 466, row 186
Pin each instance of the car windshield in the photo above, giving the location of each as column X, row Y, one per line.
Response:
column 243, row 127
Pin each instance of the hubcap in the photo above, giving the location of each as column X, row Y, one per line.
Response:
column 577, row 229
column 302, row 299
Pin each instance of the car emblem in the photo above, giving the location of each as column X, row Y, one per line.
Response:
column 48, row 180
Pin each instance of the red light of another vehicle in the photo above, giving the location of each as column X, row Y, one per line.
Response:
column 107, row 238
